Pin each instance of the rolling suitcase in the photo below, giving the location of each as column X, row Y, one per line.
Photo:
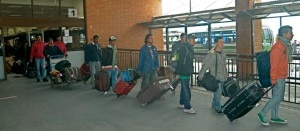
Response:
column 230, row 87
column 154, row 90
column 124, row 87
column 128, row 74
column 85, row 72
column 243, row 101
column 102, row 81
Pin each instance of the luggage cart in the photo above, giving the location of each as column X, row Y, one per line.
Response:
column 55, row 80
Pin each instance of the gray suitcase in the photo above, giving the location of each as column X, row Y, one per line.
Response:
column 154, row 90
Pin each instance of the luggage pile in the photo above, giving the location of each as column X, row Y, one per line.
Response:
column 63, row 72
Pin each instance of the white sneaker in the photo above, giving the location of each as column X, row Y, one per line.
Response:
column 113, row 93
column 181, row 106
column 191, row 111
column 104, row 93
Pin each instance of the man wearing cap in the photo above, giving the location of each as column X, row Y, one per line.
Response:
column 109, row 63
column 184, row 70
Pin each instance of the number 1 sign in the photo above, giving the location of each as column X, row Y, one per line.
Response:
column 72, row 12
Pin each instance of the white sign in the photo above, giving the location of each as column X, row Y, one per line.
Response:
column 72, row 12
column 66, row 32
column 68, row 39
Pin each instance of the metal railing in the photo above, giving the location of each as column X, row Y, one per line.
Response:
column 241, row 67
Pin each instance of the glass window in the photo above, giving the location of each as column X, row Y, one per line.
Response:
column 201, row 5
column 170, row 7
column 76, row 38
column 15, row 8
column 25, row 2
column 270, row 30
column 45, row 8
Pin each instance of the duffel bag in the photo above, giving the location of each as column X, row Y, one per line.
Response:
column 71, row 73
column 62, row 64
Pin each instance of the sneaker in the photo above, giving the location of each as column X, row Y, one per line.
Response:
column 262, row 119
column 113, row 93
column 45, row 80
column 279, row 120
column 105, row 92
column 191, row 111
column 181, row 106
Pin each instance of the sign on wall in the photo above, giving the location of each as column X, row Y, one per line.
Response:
column 72, row 12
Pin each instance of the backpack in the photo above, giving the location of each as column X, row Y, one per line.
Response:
column 174, row 59
column 263, row 68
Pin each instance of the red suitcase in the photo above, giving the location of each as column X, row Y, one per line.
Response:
column 123, row 88
column 85, row 72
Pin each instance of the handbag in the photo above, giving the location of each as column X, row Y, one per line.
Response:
column 209, row 82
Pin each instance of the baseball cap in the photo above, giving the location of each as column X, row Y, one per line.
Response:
column 190, row 36
column 112, row 38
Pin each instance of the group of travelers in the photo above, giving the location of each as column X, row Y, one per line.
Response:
column 215, row 62
column 41, row 52
column 106, row 58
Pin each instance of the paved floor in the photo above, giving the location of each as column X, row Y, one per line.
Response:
column 29, row 106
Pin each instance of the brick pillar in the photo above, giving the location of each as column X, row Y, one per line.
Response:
column 244, row 41
column 121, row 18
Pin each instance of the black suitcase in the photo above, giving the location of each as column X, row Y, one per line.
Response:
column 230, row 87
column 243, row 101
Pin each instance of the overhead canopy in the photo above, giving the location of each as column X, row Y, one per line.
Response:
column 260, row 10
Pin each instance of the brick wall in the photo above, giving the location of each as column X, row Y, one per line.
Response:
column 121, row 18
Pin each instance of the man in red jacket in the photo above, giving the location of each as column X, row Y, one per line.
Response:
column 37, row 53
column 61, row 45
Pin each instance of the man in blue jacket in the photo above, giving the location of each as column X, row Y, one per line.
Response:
column 148, row 61
column 92, row 57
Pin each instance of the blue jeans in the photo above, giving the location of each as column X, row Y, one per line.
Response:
column 94, row 67
column 148, row 76
column 216, row 103
column 113, row 75
column 277, row 96
column 185, row 94
column 40, row 68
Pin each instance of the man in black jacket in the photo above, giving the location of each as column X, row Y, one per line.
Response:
column 92, row 57
column 51, row 50
column 184, row 70
column 109, row 61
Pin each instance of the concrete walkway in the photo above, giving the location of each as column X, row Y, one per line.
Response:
column 26, row 105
